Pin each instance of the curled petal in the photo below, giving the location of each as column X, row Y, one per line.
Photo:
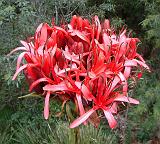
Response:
column 127, row 72
column 124, row 82
column 121, row 76
column 106, row 40
column 80, row 105
column 82, row 36
column 54, row 88
column 98, row 25
column 81, row 119
column 46, row 106
column 113, row 108
column 126, row 99
column 25, row 44
column 70, row 57
column 22, row 68
column 130, row 63
column 43, row 36
column 20, row 57
column 73, row 68
column 142, row 64
column 107, row 24
column 111, row 120
column 140, row 57
column 17, row 49
column 39, row 28
column 61, row 29
column 114, row 83
column 39, row 81
column 87, row 94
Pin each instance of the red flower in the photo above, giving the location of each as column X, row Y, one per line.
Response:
column 106, row 99
column 88, row 63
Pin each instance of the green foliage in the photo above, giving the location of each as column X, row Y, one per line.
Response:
column 16, row 22
column 151, row 28
column 61, row 134
column 144, row 119
column 6, row 136
column 5, row 117
column 7, row 12
column 10, row 90
column 151, row 22
column 27, row 126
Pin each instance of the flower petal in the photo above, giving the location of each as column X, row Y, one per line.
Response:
column 22, row 68
column 20, row 57
column 25, row 44
column 46, row 106
column 81, row 119
column 54, row 88
column 127, row 72
column 85, row 91
column 80, row 105
column 43, row 36
column 81, row 35
column 17, row 49
column 70, row 57
column 114, row 83
column 142, row 64
column 126, row 99
column 130, row 63
column 37, row 82
column 98, row 26
column 111, row 120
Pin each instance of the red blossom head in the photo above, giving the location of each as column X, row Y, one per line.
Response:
column 88, row 63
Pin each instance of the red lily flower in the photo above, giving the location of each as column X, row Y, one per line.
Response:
column 86, row 62
column 104, row 100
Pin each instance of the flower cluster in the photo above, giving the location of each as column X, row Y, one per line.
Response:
column 88, row 63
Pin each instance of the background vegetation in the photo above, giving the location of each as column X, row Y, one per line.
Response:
column 21, row 120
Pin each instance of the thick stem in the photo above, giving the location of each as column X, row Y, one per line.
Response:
column 121, row 129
